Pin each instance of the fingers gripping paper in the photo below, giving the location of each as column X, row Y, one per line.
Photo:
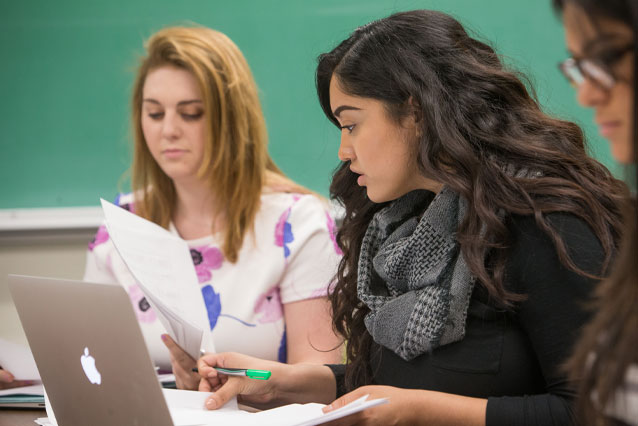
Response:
column 162, row 265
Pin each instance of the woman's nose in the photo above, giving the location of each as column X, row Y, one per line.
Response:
column 345, row 153
column 171, row 126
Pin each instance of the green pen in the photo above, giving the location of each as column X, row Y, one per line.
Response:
column 250, row 373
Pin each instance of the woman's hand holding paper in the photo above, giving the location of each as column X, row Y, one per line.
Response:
column 7, row 381
column 182, row 364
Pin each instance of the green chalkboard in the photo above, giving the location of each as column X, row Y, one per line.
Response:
column 67, row 68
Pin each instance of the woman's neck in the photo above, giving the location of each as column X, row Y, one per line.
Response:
column 194, row 215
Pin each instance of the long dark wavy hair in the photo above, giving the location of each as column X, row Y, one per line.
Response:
column 475, row 118
column 609, row 343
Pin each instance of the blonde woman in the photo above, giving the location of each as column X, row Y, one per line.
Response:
column 263, row 247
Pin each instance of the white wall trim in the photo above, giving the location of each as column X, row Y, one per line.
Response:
column 58, row 218
column 44, row 225
column 19, row 227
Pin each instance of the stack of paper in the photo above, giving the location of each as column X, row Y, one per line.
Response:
column 162, row 265
column 17, row 359
column 20, row 397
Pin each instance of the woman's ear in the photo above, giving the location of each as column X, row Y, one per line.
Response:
column 412, row 120
column 415, row 114
column 415, row 109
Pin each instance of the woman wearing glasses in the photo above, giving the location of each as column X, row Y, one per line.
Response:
column 601, row 70
column 601, row 36
column 476, row 226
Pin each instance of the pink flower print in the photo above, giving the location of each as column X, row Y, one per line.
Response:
column 320, row 292
column 283, row 233
column 332, row 230
column 205, row 260
column 101, row 237
column 142, row 308
column 269, row 306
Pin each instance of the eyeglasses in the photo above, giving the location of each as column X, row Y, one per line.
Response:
column 598, row 70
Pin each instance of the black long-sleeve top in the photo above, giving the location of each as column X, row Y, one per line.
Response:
column 513, row 358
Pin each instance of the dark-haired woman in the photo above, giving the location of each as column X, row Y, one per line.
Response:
column 601, row 37
column 475, row 228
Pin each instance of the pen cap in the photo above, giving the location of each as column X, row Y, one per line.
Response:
column 258, row 374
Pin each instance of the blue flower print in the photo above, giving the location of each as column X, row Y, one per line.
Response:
column 213, row 304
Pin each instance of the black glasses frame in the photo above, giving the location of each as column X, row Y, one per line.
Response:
column 598, row 70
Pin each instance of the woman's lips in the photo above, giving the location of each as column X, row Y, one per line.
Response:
column 173, row 153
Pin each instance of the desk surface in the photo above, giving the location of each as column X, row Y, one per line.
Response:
column 20, row 417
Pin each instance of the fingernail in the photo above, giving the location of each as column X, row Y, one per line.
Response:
column 211, row 404
column 327, row 408
column 164, row 337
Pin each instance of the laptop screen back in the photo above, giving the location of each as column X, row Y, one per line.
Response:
column 90, row 352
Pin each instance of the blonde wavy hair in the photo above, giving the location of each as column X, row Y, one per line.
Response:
column 236, row 164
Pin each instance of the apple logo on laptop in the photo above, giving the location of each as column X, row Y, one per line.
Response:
column 88, row 365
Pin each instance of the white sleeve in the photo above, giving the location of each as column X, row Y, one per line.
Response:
column 314, row 256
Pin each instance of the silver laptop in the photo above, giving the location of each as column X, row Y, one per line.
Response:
column 90, row 352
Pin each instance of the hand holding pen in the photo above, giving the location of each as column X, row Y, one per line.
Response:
column 252, row 383
column 288, row 383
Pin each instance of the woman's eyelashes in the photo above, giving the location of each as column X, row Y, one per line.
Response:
column 349, row 127
column 192, row 116
column 186, row 116
column 156, row 115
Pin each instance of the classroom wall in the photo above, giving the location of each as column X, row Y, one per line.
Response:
column 67, row 71
column 66, row 74
column 59, row 258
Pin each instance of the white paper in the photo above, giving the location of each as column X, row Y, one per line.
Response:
column 166, row 377
column 17, row 360
column 311, row 414
column 354, row 407
column 36, row 390
column 162, row 265
column 187, row 409
column 49, row 410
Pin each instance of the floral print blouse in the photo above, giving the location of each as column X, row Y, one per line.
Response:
column 291, row 256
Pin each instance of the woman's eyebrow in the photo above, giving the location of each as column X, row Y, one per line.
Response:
column 342, row 108
column 601, row 41
column 180, row 103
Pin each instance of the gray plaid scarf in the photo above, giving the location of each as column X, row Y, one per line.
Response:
column 412, row 275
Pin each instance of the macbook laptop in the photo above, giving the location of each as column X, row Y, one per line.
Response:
column 90, row 352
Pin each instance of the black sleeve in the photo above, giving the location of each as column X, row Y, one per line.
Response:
column 551, row 316
column 339, row 370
